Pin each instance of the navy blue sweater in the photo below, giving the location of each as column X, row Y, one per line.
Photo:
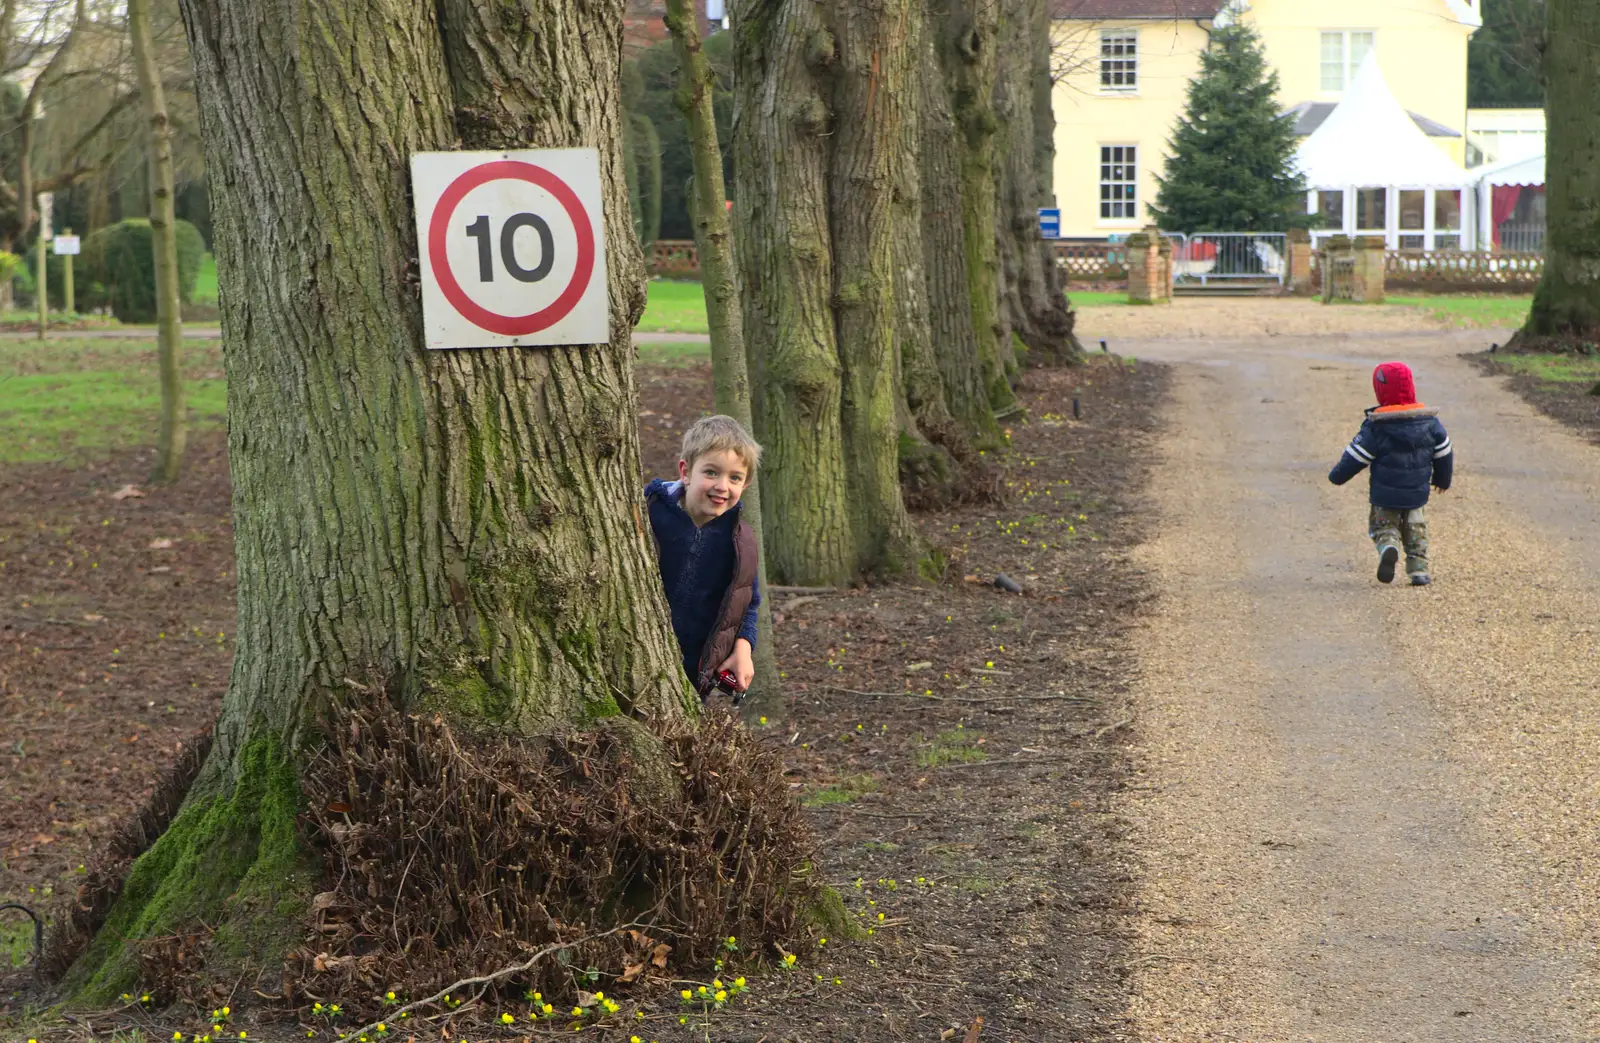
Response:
column 696, row 568
column 1407, row 449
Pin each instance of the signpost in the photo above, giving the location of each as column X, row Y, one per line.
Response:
column 41, row 286
column 512, row 248
column 66, row 246
column 1049, row 223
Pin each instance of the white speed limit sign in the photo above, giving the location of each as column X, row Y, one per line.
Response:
column 512, row 248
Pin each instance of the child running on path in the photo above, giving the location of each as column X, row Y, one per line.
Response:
column 708, row 553
column 1407, row 448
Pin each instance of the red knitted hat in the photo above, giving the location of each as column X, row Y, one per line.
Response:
column 1393, row 385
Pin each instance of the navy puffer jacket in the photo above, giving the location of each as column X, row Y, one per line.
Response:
column 1407, row 449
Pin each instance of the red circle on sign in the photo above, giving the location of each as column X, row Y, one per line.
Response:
column 494, row 322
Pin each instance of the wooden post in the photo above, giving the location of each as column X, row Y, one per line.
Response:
column 66, row 287
column 41, row 286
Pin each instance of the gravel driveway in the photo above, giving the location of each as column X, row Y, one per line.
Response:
column 1367, row 812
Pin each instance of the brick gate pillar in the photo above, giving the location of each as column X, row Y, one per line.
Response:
column 1370, row 251
column 1299, row 281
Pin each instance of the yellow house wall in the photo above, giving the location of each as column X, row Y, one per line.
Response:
column 1086, row 118
column 1421, row 49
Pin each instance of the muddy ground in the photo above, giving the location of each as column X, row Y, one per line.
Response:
column 1572, row 404
column 960, row 747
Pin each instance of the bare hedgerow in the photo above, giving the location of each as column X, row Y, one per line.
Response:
column 449, row 853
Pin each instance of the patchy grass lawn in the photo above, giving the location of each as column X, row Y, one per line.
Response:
column 70, row 400
column 1096, row 298
column 674, row 354
column 675, row 306
column 679, row 306
column 1555, row 370
column 205, row 284
column 1474, row 311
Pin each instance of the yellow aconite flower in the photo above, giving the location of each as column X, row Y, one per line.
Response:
column 577, row 1012
column 388, row 995
column 716, row 983
column 739, row 981
column 548, row 1009
column 507, row 1019
column 686, row 994
column 721, row 995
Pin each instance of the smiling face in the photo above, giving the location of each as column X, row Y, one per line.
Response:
column 712, row 484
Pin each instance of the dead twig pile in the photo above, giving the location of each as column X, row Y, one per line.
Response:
column 449, row 853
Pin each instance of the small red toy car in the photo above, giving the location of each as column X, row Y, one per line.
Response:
column 728, row 682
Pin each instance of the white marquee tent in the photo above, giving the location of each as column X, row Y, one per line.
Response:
column 1372, row 171
column 1501, row 188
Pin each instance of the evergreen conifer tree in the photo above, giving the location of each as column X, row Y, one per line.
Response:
column 1232, row 154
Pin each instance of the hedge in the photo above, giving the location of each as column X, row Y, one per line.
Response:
column 117, row 267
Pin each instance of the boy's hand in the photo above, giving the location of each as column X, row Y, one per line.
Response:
column 741, row 664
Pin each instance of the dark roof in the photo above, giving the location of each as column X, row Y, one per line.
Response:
column 1097, row 9
column 1308, row 116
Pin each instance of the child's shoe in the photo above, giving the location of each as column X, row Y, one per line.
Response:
column 1420, row 579
column 1387, row 557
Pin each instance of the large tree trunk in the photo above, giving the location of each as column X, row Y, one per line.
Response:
column 1033, row 303
column 930, row 438
column 1566, row 305
column 958, row 197
column 874, row 70
column 785, row 253
column 713, row 235
column 818, row 108
column 172, row 433
column 464, row 527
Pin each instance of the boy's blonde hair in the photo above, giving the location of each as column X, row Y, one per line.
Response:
column 716, row 434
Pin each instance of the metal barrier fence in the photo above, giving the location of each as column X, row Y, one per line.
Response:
column 1521, row 238
column 1462, row 270
column 1244, row 258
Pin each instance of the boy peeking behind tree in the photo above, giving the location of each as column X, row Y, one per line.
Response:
column 708, row 554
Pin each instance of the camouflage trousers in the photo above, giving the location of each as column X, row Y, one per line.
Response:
column 1390, row 527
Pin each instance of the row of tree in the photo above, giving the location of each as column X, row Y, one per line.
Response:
column 889, row 167
column 460, row 530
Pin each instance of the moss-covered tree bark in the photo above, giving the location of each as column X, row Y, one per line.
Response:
column 931, row 439
column 713, row 236
column 1033, row 303
column 172, row 433
column 1566, row 305
column 873, row 79
column 782, row 52
column 818, row 89
column 958, row 198
column 462, row 527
